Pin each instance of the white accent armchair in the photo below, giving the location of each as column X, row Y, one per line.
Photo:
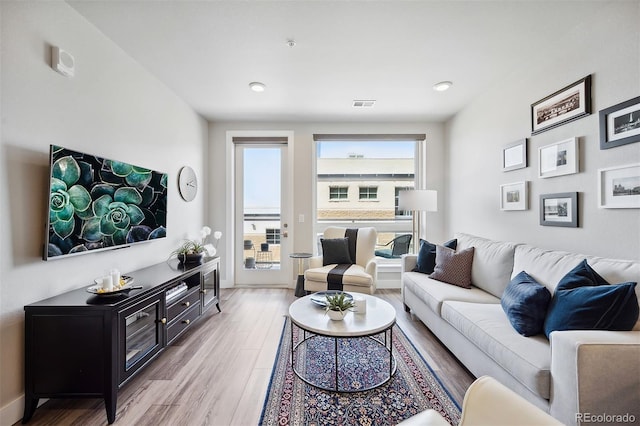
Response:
column 360, row 277
column 489, row 402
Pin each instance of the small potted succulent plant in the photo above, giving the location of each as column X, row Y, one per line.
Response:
column 338, row 305
column 191, row 251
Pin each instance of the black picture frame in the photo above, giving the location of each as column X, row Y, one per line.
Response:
column 615, row 129
column 567, row 104
column 559, row 209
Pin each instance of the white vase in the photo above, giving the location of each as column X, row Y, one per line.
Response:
column 336, row 315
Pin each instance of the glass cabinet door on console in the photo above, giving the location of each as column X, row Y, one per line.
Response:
column 211, row 284
column 141, row 326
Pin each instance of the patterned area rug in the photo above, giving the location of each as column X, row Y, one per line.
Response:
column 413, row 388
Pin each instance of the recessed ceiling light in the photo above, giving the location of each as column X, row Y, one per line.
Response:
column 442, row 86
column 256, row 86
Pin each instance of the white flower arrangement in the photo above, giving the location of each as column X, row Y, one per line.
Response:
column 211, row 249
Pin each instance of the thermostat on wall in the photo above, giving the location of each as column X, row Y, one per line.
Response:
column 62, row 61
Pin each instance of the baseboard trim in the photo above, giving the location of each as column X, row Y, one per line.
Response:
column 388, row 275
column 388, row 284
column 12, row 412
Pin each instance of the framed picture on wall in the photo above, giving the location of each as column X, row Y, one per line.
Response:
column 514, row 155
column 620, row 124
column 619, row 187
column 559, row 209
column 557, row 159
column 567, row 104
column 513, row 196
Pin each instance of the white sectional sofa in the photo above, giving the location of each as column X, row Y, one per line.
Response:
column 576, row 376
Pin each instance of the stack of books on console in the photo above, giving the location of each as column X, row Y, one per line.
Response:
column 174, row 292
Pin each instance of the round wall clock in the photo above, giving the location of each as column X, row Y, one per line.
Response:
column 187, row 183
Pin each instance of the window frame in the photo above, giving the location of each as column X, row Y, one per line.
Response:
column 272, row 235
column 370, row 190
column 339, row 187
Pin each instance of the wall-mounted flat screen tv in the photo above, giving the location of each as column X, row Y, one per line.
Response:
column 100, row 204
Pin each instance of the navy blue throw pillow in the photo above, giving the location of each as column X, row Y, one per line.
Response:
column 583, row 300
column 335, row 250
column 426, row 262
column 525, row 301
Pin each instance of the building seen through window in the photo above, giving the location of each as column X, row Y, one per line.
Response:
column 358, row 183
column 397, row 201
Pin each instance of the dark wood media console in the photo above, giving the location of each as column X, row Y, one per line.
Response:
column 82, row 345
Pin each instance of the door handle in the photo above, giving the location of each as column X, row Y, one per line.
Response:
column 285, row 234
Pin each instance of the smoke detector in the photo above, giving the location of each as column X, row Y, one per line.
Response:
column 363, row 103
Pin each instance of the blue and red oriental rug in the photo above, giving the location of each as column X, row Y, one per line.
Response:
column 413, row 388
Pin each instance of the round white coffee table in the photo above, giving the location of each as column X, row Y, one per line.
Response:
column 315, row 354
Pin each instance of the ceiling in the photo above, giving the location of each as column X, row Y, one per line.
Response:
column 393, row 52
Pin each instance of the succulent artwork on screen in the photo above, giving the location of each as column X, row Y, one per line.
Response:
column 97, row 204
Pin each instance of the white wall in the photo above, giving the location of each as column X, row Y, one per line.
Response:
column 607, row 47
column 220, row 174
column 112, row 108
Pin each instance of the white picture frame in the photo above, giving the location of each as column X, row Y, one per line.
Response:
column 514, row 155
column 514, row 196
column 619, row 187
column 559, row 158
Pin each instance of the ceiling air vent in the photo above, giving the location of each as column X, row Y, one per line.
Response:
column 361, row 103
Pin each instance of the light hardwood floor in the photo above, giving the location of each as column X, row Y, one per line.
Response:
column 217, row 374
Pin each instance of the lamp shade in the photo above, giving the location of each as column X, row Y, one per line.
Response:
column 418, row 199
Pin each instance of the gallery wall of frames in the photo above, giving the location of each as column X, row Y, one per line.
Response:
column 618, row 186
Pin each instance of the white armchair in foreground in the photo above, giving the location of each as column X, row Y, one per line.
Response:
column 489, row 403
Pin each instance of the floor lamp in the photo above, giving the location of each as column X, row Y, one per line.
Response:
column 417, row 200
